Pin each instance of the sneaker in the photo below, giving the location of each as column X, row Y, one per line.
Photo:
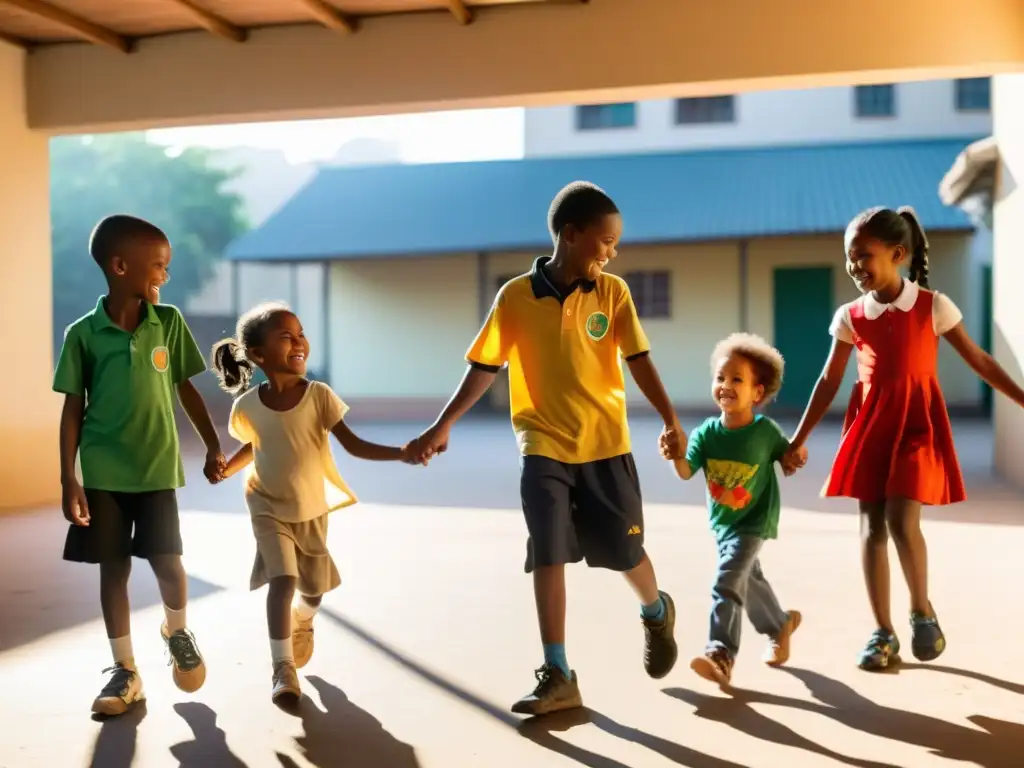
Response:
column 554, row 692
column 927, row 641
column 302, row 640
column 882, row 651
column 122, row 690
column 660, row 649
column 285, row 683
column 777, row 652
column 715, row 665
column 188, row 667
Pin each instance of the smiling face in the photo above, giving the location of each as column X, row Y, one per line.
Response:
column 144, row 268
column 285, row 348
column 873, row 265
column 735, row 387
column 592, row 248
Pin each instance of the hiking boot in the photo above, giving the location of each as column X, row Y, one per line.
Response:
column 660, row 649
column 302, row 640
column 286, row 688
column 123, row 689
column 554, row 692
column 188, row 667
column 927, row 641
column 777, row 652
column 881, row 652
column 715, row 665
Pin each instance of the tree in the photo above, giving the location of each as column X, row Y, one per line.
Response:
column 92, row 177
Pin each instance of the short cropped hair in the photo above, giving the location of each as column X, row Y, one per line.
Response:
column 765, row 359
column 580, row 204
column 114, row 233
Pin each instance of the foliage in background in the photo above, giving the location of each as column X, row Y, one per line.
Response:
column 184, row 194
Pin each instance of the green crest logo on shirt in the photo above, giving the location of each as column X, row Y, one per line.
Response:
column 161, row 358
column 597, row 326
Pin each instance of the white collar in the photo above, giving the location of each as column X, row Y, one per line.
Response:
column 873, row 308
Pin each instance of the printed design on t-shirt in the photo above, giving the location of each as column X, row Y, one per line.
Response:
column 727, row 481
column 161, row 358
column 597, row 326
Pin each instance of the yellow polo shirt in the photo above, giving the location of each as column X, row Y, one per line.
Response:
column 564, row 356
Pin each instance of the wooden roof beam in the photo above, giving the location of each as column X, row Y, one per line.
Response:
column 329, row 16
column 213, row 23
column 78, row 26
column 17, row 42
column 460, row 11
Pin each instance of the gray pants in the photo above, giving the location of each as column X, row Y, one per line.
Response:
column 740, row 584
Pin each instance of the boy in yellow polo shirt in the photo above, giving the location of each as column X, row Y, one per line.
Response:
column 563, row 329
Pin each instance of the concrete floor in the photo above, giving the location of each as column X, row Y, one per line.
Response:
column 423, row 648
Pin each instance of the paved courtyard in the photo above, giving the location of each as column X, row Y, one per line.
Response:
column 432, row 636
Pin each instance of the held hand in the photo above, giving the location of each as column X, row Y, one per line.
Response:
column 672, row 442
column 793, row 460
column 411, row 452
column 431, row 443
column 74, row 504
column 215, row 466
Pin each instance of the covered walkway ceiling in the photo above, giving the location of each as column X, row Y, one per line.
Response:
column 511, row 54
column 121, row 24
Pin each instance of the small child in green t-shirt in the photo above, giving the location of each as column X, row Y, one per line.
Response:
column 737, row 452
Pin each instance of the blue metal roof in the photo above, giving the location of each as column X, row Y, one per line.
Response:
column 347, row 212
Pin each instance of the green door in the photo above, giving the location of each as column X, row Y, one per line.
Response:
column 803, row 310
column 986, row 331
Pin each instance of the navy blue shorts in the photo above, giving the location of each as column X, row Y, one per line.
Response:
column 123, row 525
column 590, row 511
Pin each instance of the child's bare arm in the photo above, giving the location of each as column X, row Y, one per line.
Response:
column 683, row 469
column 239, row 461
column 983, row 364
column 824, row 392
column 73, row 502
column 362, row 449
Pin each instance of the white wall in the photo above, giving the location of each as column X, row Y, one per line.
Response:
column 923, row 110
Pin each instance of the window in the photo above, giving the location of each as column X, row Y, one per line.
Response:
column 652, row 293
column 599, row 117
column 710, row 109
column 973, row 94
column 875, row 100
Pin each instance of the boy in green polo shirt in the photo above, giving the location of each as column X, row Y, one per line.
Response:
column 119, row 368
column 564, row 329
column 738, row 451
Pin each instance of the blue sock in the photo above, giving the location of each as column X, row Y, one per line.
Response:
column 655, row 611
column 554, row 654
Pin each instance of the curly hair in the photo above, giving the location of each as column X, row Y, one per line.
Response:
column 765, row 359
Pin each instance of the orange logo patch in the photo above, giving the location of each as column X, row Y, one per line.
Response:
column 161, row 358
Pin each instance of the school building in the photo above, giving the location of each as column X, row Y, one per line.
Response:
column 393, row 268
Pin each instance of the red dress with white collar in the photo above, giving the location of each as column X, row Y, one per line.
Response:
column 897, row 440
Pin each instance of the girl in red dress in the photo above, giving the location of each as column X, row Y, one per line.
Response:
column 896, row 452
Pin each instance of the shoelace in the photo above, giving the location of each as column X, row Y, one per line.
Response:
column 879, row 640
column 544, row 675
column 120, row 679
column 183, row 651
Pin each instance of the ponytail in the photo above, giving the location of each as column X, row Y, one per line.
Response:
column 918, row 247
column 232, row 368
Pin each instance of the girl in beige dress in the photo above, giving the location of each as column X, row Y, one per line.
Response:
column 292, row 483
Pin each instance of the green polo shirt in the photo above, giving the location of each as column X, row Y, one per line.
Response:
column 129, row 438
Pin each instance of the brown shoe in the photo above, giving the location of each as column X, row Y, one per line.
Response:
column 660, row 650
column 777, row 652
column 302, row 640
column 554, row 692
column 285, row 683
column 187, row 665
column 715, row 665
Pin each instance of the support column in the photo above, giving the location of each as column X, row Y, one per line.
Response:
column 29, row 411
column 1008, row 270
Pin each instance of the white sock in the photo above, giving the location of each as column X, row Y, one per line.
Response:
column 304, row 611
column 175, row 619
column 281, row 650
column 121, row 648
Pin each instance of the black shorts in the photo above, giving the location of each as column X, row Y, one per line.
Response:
column 125, row 524
column 577, row 511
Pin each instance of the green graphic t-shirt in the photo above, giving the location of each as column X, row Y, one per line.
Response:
column 739, row 467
